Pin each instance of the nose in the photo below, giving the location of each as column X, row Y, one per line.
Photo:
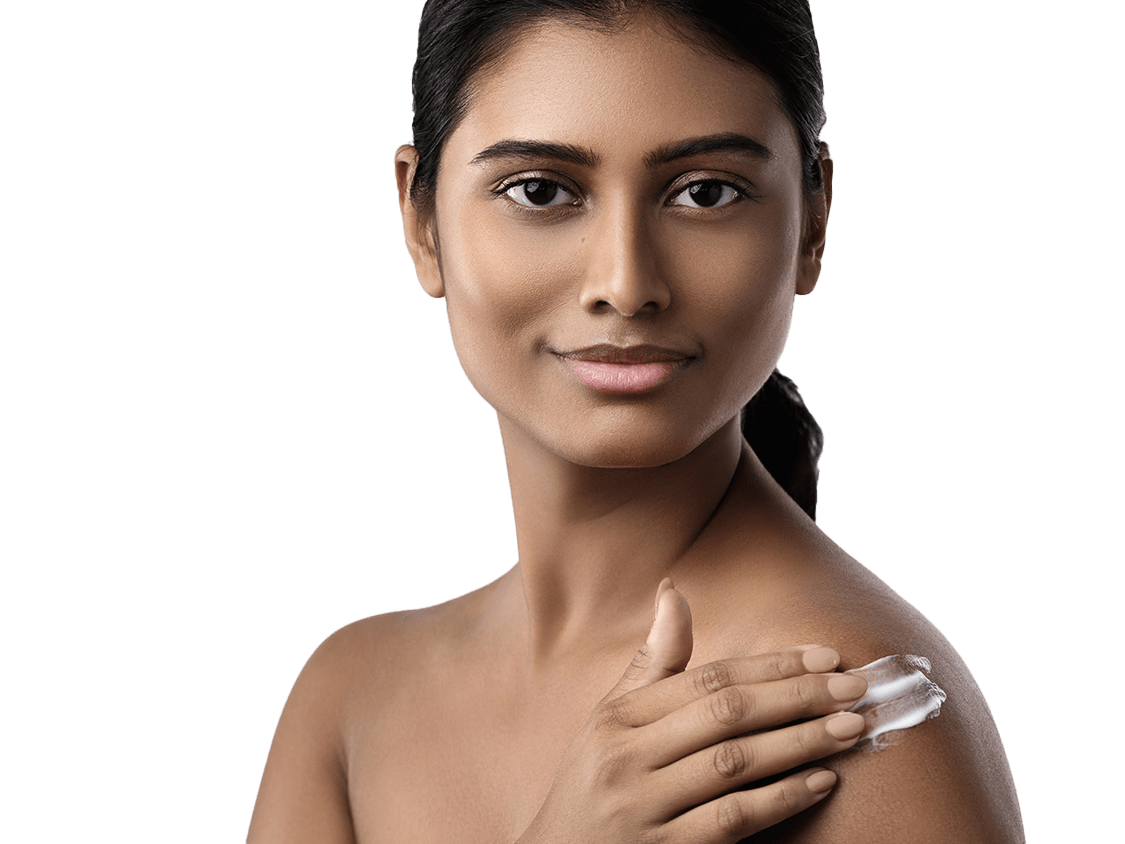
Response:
column 622, row 270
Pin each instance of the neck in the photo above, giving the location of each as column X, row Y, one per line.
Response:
column 594, row 543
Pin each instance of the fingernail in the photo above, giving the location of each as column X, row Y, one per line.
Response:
column 819, row 782
column 661, row 601
column 845, row 726
column 847, row 687
column 666, row 583
column 820, row 660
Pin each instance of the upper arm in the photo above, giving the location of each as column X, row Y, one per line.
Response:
column 944, row 780
column 931, row 785
column 304, row 794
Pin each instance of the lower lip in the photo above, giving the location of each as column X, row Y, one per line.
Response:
column 622, row 377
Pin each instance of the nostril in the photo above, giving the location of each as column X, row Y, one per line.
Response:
column 625, row 304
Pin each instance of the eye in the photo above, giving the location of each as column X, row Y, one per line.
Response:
column 707, row 194
column 538, row 193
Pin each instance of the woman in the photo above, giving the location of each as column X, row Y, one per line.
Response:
column 618, row 202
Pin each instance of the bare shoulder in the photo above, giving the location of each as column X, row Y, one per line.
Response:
column 944, row 780
column 358, row 673
column 377, row 665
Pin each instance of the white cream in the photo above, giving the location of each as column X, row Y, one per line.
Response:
column 898, row 696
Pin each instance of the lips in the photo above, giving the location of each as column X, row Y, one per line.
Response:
column 625, row 369
column 626, row 355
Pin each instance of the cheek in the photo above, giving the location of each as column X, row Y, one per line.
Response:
column 738, row 286
column 503, row 294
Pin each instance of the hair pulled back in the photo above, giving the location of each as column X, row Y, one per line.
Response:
column 460, row 39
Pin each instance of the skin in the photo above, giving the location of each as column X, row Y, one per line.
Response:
column 504, row 715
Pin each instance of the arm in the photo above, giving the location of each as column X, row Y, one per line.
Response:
column 304, row 795
column 945, row 780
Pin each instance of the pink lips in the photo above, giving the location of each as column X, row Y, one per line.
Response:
column 634, row 369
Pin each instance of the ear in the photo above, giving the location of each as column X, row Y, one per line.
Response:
column 421, row 241
column 816, row 225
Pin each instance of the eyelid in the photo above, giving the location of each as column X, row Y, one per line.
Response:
column 743, row 187
column 508, row 182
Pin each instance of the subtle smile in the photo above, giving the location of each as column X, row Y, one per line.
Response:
column 628, row 369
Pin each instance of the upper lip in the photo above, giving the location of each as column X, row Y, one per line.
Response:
column 609, row 353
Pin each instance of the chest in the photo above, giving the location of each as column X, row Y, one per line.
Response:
column 468, row 749
column 467, row 760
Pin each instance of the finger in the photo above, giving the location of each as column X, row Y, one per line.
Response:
column 738, row 710
column 667, row 649
column 716, row 770
column 736, row 816
column 652, row 702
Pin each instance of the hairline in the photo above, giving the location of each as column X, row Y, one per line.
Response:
column 494, row 55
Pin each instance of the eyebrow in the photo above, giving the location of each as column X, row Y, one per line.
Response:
column 725, row 142
column 583, row 157
column 537, row 149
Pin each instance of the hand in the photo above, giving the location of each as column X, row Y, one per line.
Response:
column 671, row 755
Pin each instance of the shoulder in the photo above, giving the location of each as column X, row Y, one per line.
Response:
column 371, row 664
column 360, row 672
column 946, row 779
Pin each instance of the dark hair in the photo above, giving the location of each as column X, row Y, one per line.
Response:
column 458, row 39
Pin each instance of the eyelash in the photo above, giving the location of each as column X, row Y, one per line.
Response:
column 502, row 189
column 742, row 192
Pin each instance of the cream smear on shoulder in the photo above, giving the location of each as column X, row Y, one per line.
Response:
column 899, row 695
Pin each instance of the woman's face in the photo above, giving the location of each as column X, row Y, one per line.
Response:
column 620, row 231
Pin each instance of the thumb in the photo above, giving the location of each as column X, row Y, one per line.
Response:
column 667, row 649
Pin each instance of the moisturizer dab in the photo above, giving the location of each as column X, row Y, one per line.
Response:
column 899, row 695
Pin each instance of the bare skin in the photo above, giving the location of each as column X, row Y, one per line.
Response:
column 493, row 717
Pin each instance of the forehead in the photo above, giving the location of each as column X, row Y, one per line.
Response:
column 642, row 85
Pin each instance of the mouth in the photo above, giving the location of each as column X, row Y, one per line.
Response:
column 624, row 369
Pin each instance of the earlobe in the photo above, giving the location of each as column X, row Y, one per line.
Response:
column 816, row 226
column 420, row 238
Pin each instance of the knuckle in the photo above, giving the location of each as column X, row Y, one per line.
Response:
column 733, row 816
column 641, row 659
column 805, row 744
column 609, row 717
column 806, row 691
column 778, row 664
column 732, row 760
column 785, row 800
column 715, row 676
column 612, row 760
column 730, row 705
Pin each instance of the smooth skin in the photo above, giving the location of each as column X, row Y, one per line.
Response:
column 503, row 716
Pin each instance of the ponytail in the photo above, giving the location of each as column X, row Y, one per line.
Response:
column 786, row 439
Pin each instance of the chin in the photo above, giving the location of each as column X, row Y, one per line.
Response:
column 624, row 447
column 626, row 457
column 638, row 434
